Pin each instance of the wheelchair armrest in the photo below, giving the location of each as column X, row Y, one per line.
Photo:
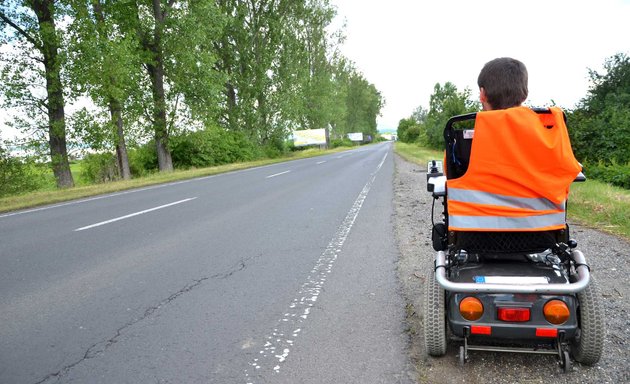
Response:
column 437, row 185
column 436, row 181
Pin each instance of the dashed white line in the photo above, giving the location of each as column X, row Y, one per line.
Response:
column 283, row 336
column 321, row 162
column 133, row 214
column 276, row 174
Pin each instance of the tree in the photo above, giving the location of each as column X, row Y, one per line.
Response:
column 404, row 127
column 445, row 102
column 364, row 103
column 600, row 125
column 176, row 40
column 105, row 62
column 38, row 56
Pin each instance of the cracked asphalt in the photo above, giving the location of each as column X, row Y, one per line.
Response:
column 278, row 274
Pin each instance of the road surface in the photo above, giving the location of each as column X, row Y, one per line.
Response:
column 278, row 274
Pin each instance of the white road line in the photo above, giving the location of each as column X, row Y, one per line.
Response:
column 278, row 344
column 320, row 162
column 132, row 215
column 276, row 174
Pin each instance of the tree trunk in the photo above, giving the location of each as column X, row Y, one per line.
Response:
column 44, row 9
column 115, row 106
column 156, row 72
column 121, row 147
column 231, row 106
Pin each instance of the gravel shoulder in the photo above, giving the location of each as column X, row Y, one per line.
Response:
column 609, row 259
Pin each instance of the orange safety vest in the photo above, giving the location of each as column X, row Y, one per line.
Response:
column 521, row 166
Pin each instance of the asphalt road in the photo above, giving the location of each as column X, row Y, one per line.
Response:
column 278, row 274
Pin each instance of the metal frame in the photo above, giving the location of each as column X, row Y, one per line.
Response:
column 582, row 270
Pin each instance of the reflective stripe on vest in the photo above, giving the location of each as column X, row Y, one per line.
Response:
column 528, row 213
column 548, row 221
column 479, row 197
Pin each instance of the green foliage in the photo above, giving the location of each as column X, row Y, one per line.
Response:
column 31, row 74
column 613, row 173
column 600, row 126
column 413, row 134
column 152, row 70
column 99, row 168
column 19, row 175
column 143, row 159
column 209, row 147
column 340, row 142
column 446, row 102
column 403, row 126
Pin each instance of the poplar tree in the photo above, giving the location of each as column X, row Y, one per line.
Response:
column 32, row 75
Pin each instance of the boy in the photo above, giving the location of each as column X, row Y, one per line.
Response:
column 502, row 84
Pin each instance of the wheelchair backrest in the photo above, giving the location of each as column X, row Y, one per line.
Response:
column 510, row 174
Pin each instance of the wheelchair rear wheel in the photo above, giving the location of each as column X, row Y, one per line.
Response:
column 588, row 344
column 434, row 317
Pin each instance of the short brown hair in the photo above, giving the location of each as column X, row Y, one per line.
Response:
column 504, row 81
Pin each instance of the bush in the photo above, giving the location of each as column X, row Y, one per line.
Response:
column 209, row 147
column 615, row 174
column 143, row 159
column 275, row 147
column 20, row 175
column 412, row 134
column 344, row 142
column 99, row 168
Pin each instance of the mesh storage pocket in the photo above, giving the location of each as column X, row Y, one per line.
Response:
column 505, row 242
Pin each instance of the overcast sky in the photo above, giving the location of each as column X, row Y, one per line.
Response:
column 405, row 47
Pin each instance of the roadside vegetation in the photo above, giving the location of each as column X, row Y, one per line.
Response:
column 169, row 86
column 48, row 193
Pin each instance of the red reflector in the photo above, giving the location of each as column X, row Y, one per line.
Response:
column 546, row 332
column 514, row 314
column 480, row 330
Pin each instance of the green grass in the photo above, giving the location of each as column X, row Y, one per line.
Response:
column 417, row 154
column 50, row 195
column 594, row 204
column 601, row 206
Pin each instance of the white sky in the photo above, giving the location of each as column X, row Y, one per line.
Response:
column 405, row 47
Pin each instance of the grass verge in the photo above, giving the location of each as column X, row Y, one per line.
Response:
column 594, row 204
column 34, row 199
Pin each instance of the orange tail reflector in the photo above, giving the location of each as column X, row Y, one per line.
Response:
column 471, row 308
column 556, row 312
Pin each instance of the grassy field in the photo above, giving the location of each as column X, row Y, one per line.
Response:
column 81, row 190
column 593, row 203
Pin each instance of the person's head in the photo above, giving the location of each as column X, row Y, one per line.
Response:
column 502, row 84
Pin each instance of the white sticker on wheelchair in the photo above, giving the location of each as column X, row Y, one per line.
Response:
column 469, row 133
column 520, row 280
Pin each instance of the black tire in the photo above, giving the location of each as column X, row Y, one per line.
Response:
column 434, row 317
column 566, row 362
column 589, row 342
column 462, row 356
